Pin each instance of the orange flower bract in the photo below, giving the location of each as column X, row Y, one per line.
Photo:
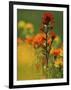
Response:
column 52, row 34
column 49, row 41
column 38, row 39
column 29, row 40
column 56, row 52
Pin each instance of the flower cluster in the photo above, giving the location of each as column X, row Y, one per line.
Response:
column 38, row 39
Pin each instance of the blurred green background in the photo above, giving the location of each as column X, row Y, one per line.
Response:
column 35, row 17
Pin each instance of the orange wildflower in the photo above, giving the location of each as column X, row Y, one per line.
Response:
column 56, row 52
column 38, row 39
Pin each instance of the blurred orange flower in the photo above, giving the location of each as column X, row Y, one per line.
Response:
column 38, row 39
column 29, row 40
column 19, row 40
column 56, row 52
column 49, row 41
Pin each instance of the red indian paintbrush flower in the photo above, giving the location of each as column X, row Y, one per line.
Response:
column 47, row 17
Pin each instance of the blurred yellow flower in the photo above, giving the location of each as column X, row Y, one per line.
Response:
column 21, row 25
column 58, row 63
column 30, row 27
column 56, row 38
column 61, row 52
